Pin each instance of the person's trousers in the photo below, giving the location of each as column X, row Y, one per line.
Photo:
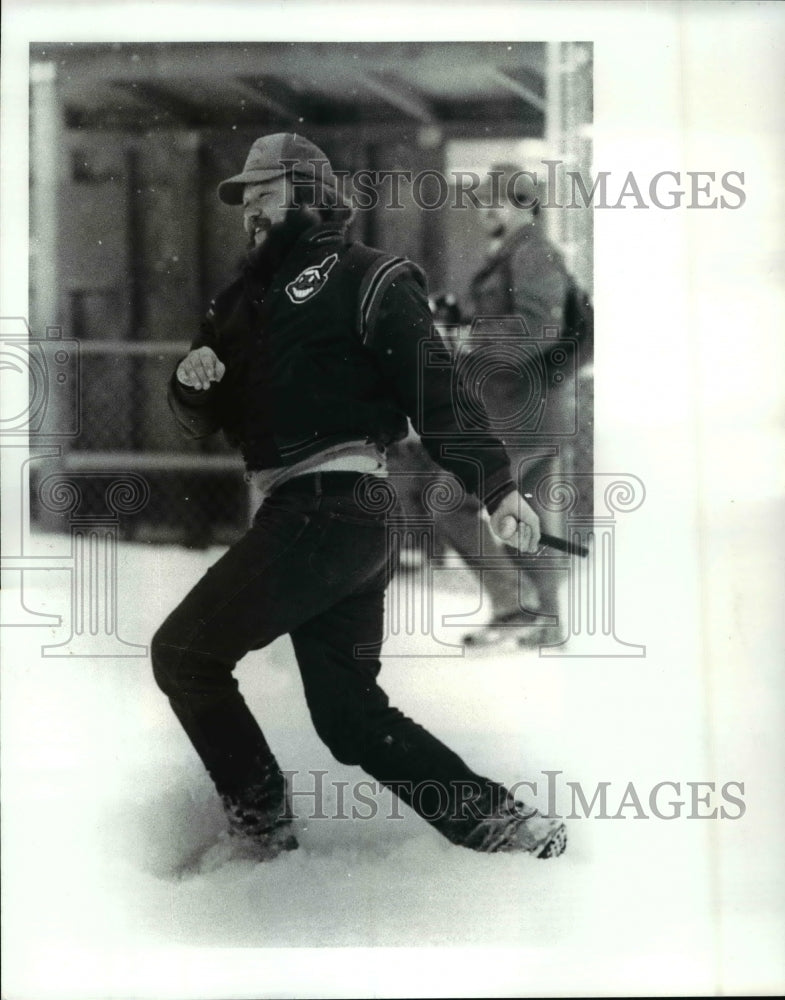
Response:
column 510, row 587
column 315, row 565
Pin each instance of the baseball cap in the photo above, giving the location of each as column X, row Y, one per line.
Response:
column 267, row 160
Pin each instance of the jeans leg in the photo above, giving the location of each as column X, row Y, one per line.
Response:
column 255, row 592
column 354, row 718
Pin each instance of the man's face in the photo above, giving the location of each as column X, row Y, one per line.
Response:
column 264, row 206
column 503, row 218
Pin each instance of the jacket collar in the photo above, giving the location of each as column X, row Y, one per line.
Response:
column 263, row 263
column 322, row 232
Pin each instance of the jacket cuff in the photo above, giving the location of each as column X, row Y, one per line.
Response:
column 191, row 397
column 496, row 491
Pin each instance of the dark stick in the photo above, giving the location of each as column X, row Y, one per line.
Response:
column 553, row 542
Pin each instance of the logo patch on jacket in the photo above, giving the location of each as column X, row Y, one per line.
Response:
column 310, row 281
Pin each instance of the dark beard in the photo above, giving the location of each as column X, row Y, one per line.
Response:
column 251, row 244
column 263, row 261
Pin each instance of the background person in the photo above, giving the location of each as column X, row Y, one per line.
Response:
column 521, row 275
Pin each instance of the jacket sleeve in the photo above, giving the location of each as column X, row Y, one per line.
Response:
column 579, row 321
column 539, row 281
column 400, row 333
column 197, row 411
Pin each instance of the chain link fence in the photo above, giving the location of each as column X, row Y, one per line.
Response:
column 198, row 496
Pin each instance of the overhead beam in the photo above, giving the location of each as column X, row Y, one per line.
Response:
column 528, row 95
column 357, row 133
column 396, row 96
column 138, row 102
column 255, row 93
column 183, row 60
column 159, row 97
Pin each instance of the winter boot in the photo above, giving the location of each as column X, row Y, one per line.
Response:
column 518, row 827
column 260, row 835
column 260, row 824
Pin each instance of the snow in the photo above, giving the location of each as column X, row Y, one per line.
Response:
column 104, row 801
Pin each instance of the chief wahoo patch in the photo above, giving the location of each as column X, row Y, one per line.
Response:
column 310, row 281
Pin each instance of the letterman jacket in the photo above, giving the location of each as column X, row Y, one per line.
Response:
column 325, row 342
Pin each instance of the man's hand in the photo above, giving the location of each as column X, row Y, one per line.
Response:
column 516, row 523
column 200, row 368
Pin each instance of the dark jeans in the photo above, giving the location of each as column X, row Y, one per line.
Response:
column 314, row 564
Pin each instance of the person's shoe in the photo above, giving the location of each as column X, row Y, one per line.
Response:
column 516, row 827
column 260, row 834
column 518, row 626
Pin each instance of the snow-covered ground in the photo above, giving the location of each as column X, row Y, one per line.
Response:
column 104, row 801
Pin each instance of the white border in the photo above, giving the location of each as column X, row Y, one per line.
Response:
column 696, row 85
